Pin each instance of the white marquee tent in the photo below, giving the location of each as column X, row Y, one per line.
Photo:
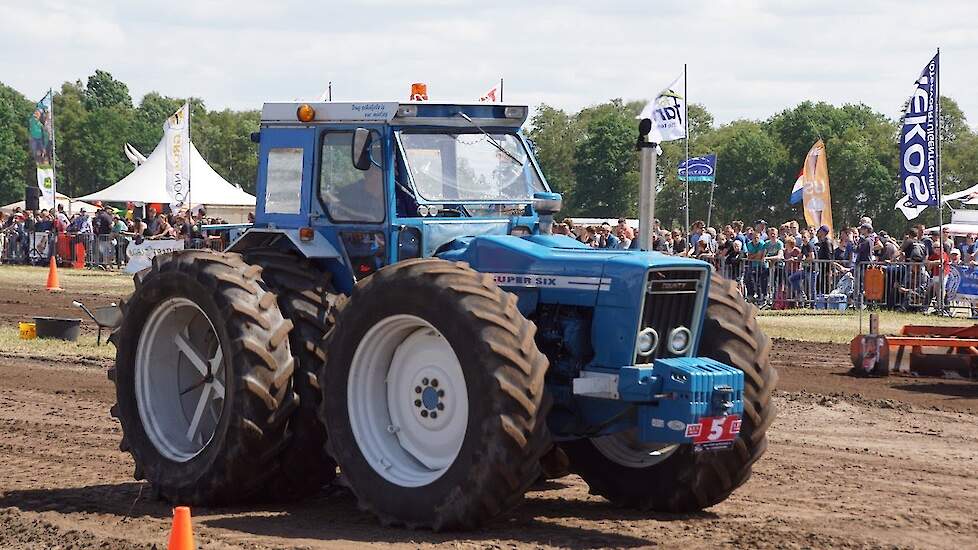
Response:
column 146, row 184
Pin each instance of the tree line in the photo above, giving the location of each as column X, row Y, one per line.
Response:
column 589, row 156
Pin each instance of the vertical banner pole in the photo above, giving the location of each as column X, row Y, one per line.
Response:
column 190, row 161
column 500, row 89
column 686, row 122
column 940, row 174
column 709, row 211
column 54, row 156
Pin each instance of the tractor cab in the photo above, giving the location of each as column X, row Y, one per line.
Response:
column 361, row 185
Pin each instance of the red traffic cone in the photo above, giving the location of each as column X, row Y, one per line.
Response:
column 182, row 534
column 53, row 284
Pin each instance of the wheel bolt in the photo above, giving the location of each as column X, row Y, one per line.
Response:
column 424, row 381
column 434, row 414
column 417, row 402
column 434, row 382
column 441, row 406
column 417, row 389
column 424, row 414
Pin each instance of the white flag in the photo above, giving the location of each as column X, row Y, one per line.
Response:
column 667, row 112
column 176, row 137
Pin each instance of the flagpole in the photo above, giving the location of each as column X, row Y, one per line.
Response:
column 686, row 122
column 190, row 162
column 54, row 155
column 713, row 184
column 940, row 174
column 500, row 89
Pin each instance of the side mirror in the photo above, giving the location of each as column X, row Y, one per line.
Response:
column 360, row 152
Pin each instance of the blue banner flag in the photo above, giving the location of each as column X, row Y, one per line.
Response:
column 918, row 139
column 699, row 168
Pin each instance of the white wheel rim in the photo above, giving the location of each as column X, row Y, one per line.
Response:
column 625, row 449
column 180, row 379
column 407, row 401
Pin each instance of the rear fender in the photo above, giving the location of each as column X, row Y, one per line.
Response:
column 319, row 249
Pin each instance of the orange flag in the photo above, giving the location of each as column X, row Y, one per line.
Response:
column 815, row 194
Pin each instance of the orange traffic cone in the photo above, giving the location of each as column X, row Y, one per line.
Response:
column 79, row 262
column 182, row 535
column 53, row 284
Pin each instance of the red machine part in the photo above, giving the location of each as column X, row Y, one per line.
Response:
column 932, row 350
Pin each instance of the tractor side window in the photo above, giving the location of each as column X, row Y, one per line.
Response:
column 351, row 195
column 283, row 180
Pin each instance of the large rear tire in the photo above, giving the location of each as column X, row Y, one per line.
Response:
column 203, row 379
column 433, row 396
column 306, row 297
column 676, row 479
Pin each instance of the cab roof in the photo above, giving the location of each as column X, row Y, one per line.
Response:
column 406, row 113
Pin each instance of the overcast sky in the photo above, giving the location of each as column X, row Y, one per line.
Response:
column 747, row 59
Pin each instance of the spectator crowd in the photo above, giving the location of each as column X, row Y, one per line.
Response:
column 27, row 236
column 790, row 266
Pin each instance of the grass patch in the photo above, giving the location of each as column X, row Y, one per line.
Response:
column 72, row 280
column 51, row 349
column 839, row 326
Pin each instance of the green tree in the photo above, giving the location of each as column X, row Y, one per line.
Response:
column 15, row 162
column 224, row 140
column 555, row 135
column 103, row 91
column 606, row 167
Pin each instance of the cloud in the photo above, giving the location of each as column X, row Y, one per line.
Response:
column 747, row 59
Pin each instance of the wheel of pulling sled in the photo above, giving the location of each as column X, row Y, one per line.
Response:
column 433, row 396
column 203, row 379
column 675, row 478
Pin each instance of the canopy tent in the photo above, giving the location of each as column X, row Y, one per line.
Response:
column 146, row 184
column 69, row 204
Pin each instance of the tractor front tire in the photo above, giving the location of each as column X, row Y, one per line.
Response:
column 203, row 379
column 677, row 479
column 433, row 396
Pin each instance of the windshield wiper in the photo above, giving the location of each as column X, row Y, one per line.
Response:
column 490, row 138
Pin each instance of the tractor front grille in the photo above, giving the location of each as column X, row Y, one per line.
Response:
column 672, row 299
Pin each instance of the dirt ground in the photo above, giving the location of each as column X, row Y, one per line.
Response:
column 886, row 463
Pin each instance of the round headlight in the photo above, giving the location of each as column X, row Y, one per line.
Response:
column 679, row 340
column 647, row 341
column 423, row 210
column 433, row 209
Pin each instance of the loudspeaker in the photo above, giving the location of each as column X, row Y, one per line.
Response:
column 32, row 198
column 138, row 212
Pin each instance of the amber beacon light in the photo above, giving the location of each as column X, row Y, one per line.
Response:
column 419, row 91
column 305, row 112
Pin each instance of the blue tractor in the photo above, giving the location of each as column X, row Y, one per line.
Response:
column 402, row 315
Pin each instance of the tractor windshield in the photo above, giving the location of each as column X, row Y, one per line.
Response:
column 470, row 167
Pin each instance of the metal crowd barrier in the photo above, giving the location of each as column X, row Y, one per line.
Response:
column 97, row 251
column 840, row 285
